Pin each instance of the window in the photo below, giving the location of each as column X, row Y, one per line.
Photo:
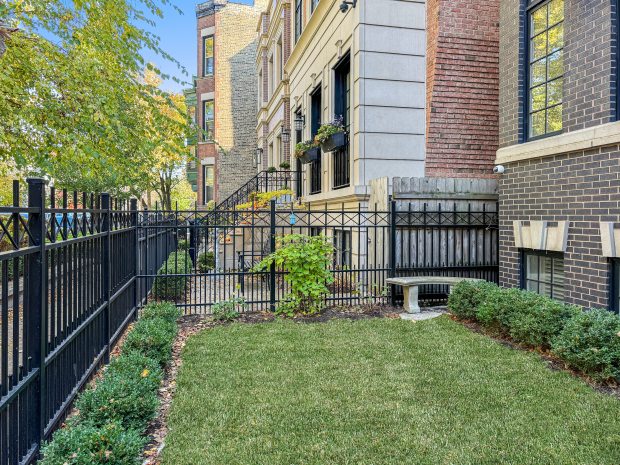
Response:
column 315, row 231
column 208, row 178
column 315, row 123
column 342, row 248
column 260, row 89
column 313, row 5
column 546, row 68
column 298, row 18
column 280, row 56
column 207, row 53
column 208, row 117
column 614, row 305
column 298, row 167
column 271, row 77
column 543, row 273
column 342, row 109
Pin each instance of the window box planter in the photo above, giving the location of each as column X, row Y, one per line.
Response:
column 334, row 142
column 310, row 155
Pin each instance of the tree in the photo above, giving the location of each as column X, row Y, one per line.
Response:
column 168, row 116
column 72, row 96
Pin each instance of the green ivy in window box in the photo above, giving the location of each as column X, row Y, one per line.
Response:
column 285, row 165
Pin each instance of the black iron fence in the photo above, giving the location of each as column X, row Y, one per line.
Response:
column 68, row 289
column 369, row 247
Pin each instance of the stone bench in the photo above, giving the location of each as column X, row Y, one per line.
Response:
column 411, row 287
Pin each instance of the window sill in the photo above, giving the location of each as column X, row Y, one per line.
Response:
column 584, row 139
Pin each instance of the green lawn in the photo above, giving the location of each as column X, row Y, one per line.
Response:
column 380, row 392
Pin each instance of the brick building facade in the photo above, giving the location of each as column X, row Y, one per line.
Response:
column 559, row 137
column 226, row 93
column 462, row 108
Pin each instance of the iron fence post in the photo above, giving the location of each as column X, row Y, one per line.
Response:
column 392, row 255
column 105, row 260
column 272, row 247
column 35, row 309
column 133, row 205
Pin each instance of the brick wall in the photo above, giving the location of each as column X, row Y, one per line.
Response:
column 462, row 87
column 582, row 188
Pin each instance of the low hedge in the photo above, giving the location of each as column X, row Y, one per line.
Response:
column 173, row 287
column 113, row 415
column 586, row 340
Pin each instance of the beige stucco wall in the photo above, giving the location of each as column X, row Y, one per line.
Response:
column 387, row 44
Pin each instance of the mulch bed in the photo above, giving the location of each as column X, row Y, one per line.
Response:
column 552, row 362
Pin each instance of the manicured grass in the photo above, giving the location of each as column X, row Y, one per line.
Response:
column 380, row 392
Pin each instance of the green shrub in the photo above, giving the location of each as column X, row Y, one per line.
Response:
column 467, row 296
column 173, row 287
column 87, row 445
column 228, row 310
column 590, row 342
column 166, row 310
column 539, row 319
column 135, row 366
column 153, row 338
column 130, row 402
column 183, row 244
column 491, row 309
column 206, row 262
column 305, row 261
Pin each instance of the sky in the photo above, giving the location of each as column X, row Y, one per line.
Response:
column 178, row 38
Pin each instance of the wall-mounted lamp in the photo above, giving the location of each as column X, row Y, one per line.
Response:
column 300, row 122
column 285, row 135
column 344, row 6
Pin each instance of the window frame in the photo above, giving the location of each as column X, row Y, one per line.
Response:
column 614, row 286
column 524, row 253
column 204, row 56
column 206, row 136
column 530, row 7
column 343, row 247
column 299, row 19
column 204, row 184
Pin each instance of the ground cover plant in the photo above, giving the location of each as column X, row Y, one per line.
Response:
column 380, row 391
column 113, row 414
column 588, row 341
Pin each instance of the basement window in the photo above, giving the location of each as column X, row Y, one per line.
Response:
column 615, row 286
column 543, row 273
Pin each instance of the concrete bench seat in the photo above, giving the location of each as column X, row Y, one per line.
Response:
column 411, row 287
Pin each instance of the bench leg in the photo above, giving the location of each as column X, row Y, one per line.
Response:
column 411, row 299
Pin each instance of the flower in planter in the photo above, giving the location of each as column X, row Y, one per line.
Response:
column 285, row 165
column 329, row 129
column 272, row 169
column 303, row 147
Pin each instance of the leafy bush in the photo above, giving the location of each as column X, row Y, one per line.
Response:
column 285, row 165
column 153, row 338
column 206, row 262
column 130, row 402
column 272, row 169
column 467, row 296
column 590, row 342
column 173, row 287
column 228, row 310
column 87, row 445
column 305, row 260
column 183, row 244
column 113, row 414
column 164, row 310
column 539, row 319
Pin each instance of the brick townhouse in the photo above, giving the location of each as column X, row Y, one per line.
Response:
column 559, row 149
column 415, row 82
column 226, row 93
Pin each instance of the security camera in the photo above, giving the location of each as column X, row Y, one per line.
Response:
column 499, row 169
column 344, row 6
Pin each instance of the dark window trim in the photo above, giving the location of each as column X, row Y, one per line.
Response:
column 614, row 285
column 524, row 70
column 523, row 264
column 299, row 19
